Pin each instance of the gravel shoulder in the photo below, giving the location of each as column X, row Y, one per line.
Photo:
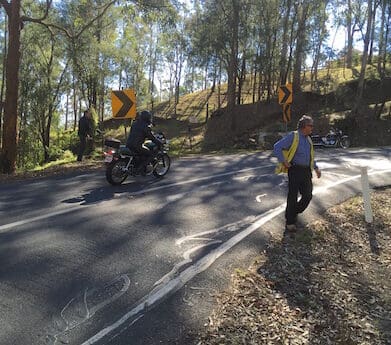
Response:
column 327, row 284
column 57, row 170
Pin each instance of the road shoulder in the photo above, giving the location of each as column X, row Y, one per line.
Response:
column 326, row 284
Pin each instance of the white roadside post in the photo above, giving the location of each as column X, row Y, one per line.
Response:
column 366, row 196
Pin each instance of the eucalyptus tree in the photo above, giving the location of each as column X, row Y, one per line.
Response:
column 15, row 25
column 317, row 39
column 44, row 70
column 350, row 14
column 175, row 51
column 384, row 36
column 284, row 66
column 89, row 49
column 139, row 46
column 269, row 40
column 365, row 54
column 223, row 33
column 197, row 72
column 3, row 52
column 203, row 50
column 302, row 10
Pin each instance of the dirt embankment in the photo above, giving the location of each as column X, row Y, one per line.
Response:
column 371, row 126
column 327, row 284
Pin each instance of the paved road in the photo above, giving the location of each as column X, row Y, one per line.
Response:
column 87, row 263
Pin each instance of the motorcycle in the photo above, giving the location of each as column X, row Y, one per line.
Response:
column 121, row 162
column 334, row 138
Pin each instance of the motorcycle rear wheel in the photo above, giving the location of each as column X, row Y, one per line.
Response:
column 116, row 173
column 162, row 165
column 344, row 143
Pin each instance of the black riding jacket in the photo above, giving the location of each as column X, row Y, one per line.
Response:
column 140, row 131
column 85, row 127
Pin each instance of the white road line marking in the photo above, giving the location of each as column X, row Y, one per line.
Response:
column 175, row 284
column 43, row 216
column 157, row 294
column 333, row 173
column 259, row 197
column 231, row 227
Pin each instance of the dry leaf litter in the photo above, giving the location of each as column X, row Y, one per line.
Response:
column 329, row 283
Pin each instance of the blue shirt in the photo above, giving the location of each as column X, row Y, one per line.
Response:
column 303, row 152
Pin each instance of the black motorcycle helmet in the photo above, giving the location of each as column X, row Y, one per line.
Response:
column 146, row 116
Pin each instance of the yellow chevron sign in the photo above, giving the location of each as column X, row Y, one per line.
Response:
column 123, row 104
column 285, row 94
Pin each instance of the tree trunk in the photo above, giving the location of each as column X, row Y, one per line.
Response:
column 315, row 65
column 219, row 87
column 382, row 33
column 9, row 149
column 242, row 78
column 284, row 50
column 372, row 36
column 300, row 45
column 233, row 57
column 46, row 135
column 74, row 101
column 386, row 35
column 254, row 84
column 3, row 80
column 66, row 111
column 361, row 80
column 349, row 30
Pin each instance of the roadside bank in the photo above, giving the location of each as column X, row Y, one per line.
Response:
column 327, row 284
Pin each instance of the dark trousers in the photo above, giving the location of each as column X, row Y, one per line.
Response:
column 145, row 154
column 82, row 147
column 299, row 181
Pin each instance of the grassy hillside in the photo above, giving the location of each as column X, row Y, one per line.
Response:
column 197, row 126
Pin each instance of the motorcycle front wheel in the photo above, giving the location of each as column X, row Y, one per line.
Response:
column 162, row 165
column 344, row 143
column 116, row 172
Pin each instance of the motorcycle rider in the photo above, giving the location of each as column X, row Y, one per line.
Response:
column 139, row 132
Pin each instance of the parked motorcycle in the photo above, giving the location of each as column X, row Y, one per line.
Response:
column 122, row 162
column 334, row 138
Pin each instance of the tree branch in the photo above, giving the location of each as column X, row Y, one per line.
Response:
column 60, row 28
column 92, row 21
column 38, row 20
column 49, row 26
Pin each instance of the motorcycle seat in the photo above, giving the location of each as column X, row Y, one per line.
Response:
column 125, row 150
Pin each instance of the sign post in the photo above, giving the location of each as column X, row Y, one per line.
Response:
column 286, row 112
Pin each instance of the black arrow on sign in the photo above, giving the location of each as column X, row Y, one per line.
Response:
column 127, row 103
column 287, row 93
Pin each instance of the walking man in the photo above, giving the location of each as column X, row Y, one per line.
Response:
column 84, row 132
column 295, row 154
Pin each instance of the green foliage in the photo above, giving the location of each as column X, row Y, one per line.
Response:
column 162, row 50
column 66, row 157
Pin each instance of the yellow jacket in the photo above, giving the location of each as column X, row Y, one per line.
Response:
column 290, row 153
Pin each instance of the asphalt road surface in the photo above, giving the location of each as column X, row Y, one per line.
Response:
column 83, row 262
